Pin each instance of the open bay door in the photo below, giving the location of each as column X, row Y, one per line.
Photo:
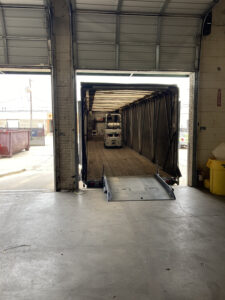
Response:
column 148, row 159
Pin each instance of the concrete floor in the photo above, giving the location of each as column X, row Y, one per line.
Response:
column 64, row 246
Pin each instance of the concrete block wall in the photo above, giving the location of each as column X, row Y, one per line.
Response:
column 211, row 117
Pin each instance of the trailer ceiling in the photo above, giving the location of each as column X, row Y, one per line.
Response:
column 110, row 100
column 161, row 35
column 112, row 97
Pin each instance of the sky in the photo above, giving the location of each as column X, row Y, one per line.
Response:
column 14, row 95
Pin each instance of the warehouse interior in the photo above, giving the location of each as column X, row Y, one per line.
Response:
column 72, row 243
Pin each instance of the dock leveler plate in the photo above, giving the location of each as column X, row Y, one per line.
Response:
column 137, row 188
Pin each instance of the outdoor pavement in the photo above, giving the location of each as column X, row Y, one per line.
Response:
column 183, row 166
column 29, row 170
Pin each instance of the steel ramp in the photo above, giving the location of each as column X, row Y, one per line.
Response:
column 137, row 188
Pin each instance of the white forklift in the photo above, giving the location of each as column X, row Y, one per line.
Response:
column 113, row 130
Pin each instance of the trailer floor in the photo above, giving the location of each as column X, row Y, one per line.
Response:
column 117, row 162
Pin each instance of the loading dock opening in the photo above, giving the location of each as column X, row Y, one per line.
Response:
column 150, row 118
column 26, row 124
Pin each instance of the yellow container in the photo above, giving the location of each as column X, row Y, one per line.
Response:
column 217, row 176
column 207, row 184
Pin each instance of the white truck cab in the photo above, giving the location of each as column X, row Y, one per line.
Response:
column 113, row 130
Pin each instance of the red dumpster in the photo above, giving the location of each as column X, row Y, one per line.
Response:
column 13, row 141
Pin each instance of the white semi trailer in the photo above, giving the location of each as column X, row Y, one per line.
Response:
column 113, row 130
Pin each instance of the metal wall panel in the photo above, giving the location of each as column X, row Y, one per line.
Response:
column 28, row 61
column 177, row 58
column 26, row 35
column 111, row 34
column 138, row 29
column 187, row 6
column 95, row 27
column 136, row 57
column 28, row 48
column 137, row 42
column 96, row 5
column 152, row 6
column 25, row 22
column 178, row 41
column 24, row 2
column 96, row 56
column 95, row 41
column 180, row 31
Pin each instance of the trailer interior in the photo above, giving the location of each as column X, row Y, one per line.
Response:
column 150, row 121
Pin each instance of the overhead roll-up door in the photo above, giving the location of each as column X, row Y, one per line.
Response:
column 130, row 35
column 24, row 34
column 138, row 35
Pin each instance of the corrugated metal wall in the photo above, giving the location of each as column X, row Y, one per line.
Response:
column 23, row 34
column 178, row 41
column 108, row 34
column 96, row 36
column 138, row 35
column 150, row 127
column 137, row 42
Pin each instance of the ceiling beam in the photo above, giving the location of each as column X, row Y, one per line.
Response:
column 4, row 36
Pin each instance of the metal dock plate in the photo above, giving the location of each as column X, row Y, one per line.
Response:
column 134, row 188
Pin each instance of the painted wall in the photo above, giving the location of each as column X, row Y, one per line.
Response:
column 211, row 130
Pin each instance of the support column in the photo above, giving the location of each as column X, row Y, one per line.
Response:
column 64, row 98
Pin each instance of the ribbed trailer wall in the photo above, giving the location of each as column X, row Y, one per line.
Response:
column 150, row 127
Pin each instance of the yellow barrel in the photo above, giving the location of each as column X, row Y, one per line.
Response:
column 217, row 176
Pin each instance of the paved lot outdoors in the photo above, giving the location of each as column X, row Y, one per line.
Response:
column 183, row 166
column 29, row 170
